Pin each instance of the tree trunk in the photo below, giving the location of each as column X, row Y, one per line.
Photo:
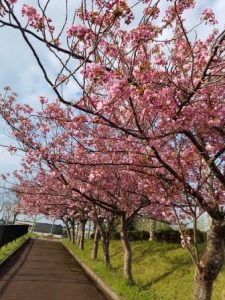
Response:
column 105, row 244
column 77, row 232
column 152, row 230
column 94, row 253
column 82, row 233
column 211, row 262
column 73, row 232
column 68, row 232
column 14, row 218
column 89, row 229
column 127, row 265
column 203, row 290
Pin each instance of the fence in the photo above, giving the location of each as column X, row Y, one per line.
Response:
column 9, row 233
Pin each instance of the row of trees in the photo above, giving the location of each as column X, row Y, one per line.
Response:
column 145, row 134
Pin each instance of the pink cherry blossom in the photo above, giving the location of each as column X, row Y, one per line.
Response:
column 12, row 1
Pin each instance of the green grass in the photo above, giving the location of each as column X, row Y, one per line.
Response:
column 5, row 251
column 162, row 271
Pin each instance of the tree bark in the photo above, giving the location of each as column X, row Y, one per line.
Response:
column 68, row 232
column 211, row 262
column 203, row 290
column 82, row 233
column 14, row 218
column 127, row 263
column 152, row 230
column 94, row 253
column 73, row 231
column 105, row 244
column 77, row 232
column 89, row 229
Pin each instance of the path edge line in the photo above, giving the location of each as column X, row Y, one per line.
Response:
column 11, row 255
column 103, row 287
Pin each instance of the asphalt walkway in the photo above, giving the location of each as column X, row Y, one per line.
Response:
column 44, row 270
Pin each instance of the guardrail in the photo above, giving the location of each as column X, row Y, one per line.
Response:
column 9, row 233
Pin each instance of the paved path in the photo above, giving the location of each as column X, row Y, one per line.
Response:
column 44, row 270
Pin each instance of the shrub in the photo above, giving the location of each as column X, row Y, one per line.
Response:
column 115, row 236
column 173, row 236
column 133, row 235
column 144, row 235
column 92, row 235
column 131, row 226
column 138, row 235
column 169, row 236
column 199, row 234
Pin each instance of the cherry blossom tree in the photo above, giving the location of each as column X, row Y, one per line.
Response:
column 153, row 84
column 94, row 177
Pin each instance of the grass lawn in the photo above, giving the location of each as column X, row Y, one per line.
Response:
column 162, row 271
column 11, row 247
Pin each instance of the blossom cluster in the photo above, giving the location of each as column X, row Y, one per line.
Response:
column 79, row 31
column 12, row 1
column 186, row 241
column 36, row 20
column 209, row 16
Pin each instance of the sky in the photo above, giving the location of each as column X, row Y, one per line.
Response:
column 19, row 70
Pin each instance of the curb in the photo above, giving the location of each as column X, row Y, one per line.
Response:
column 10, row 256
column 102, row 286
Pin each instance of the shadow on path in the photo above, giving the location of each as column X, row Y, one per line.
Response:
column 18, row 267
